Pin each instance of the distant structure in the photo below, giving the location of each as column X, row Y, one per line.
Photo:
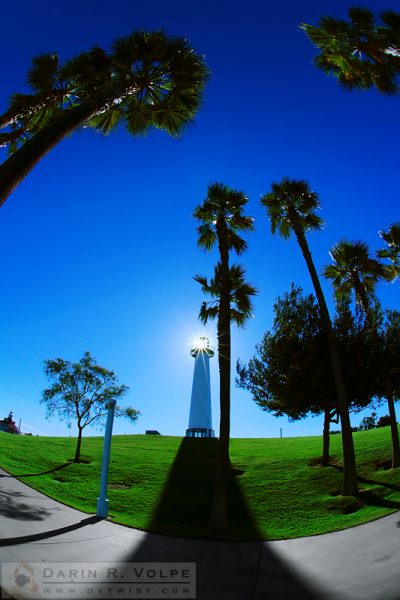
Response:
column 152, row 432
column 8, row 424
column 200, row 423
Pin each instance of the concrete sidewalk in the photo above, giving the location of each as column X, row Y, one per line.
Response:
column 361, row 563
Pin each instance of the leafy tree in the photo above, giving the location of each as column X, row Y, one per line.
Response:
column 392, row 251
column 355, row 271
column 81, row 392
column 148, row 80
column 360, row 357
column 221, row 220
column 291, row 372
column 368, row 422
column 292, row 207
column 360, row 53
column 383, row 421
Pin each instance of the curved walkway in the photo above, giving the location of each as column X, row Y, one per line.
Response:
column 361, row 563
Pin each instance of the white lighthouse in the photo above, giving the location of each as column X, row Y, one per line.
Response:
column 200, row 423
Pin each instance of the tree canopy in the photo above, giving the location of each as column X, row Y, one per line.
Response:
column 148, row 79
column 362, row 53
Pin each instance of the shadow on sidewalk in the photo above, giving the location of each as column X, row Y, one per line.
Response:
column 13, row 507
column 25, row 539
column 226, row 569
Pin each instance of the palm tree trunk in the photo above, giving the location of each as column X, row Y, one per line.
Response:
column 360, row 292
column 78, row 445
column 326, row 438
column 393, row 425
column 17, row 166
column 219, row 511
column 349, row 482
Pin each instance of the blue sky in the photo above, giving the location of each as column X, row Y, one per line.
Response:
column 98, row 244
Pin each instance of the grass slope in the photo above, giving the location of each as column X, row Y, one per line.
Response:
column 164, row 484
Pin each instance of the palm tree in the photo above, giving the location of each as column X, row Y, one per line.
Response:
column 221, row 219
column 148, row 80
column 392, row 251
column 355, row 271
column 291, row 207
column 360, row 53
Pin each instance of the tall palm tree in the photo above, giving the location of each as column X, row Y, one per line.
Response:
column 221, row 220
column 148, row 80
column 292, row 207
column 392, row 251
column 360, row 53
column 354, row 271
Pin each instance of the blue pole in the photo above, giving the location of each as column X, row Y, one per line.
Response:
column 102, row 502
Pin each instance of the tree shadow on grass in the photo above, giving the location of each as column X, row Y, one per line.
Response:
column 225, row 569
column 386, row 484
column 374, row 499
column 368, row 497
column 62, row 466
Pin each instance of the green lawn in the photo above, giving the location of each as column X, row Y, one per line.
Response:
column 164, row 484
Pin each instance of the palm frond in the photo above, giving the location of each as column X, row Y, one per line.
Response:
column 203, row 281
column 208, row 312
column 137, row 118
column 106, row 121
column 207, row 236
column 235, row 242
column 360, row 53
column 42, row 76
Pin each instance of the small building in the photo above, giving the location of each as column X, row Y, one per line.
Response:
column 152, row 432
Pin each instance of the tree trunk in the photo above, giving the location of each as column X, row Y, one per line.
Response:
column 361, row 293
column 19, row 164
column 393, row 425
column 219, row 511
column 326, row 438
column 349, row 482
column 78, row 445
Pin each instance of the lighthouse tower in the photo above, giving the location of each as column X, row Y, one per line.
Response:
column 200, row 424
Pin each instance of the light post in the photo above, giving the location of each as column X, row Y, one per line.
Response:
column 102, row 502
